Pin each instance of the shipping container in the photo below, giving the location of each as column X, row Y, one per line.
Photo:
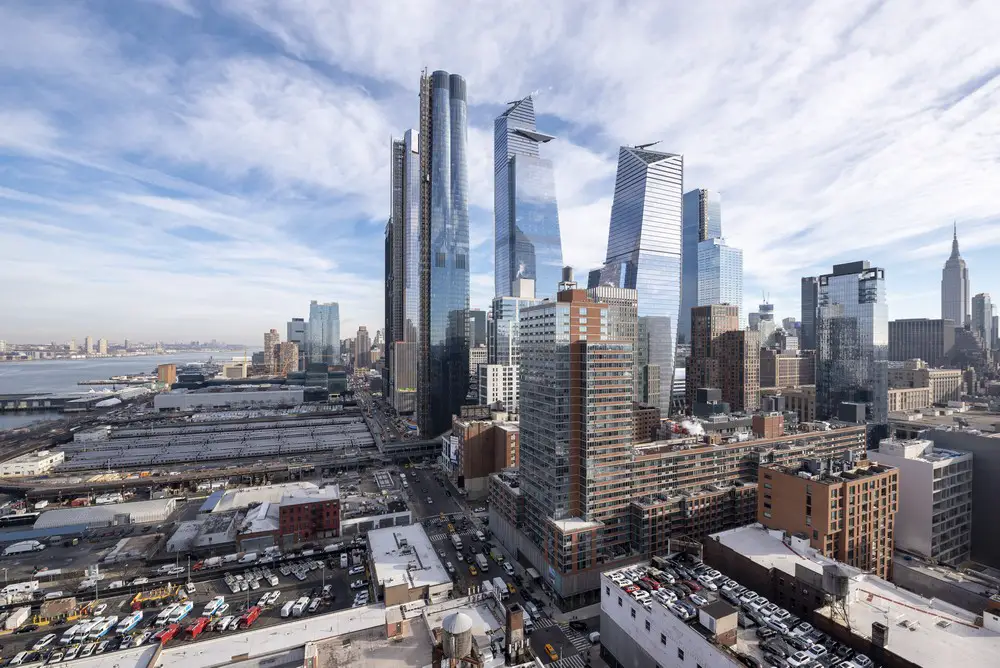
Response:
column 17, row 618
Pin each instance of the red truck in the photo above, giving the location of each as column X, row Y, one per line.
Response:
column 194, row 629
column 249, row 617
column 167, row 634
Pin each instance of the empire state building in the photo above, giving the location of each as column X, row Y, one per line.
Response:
column 955, row 287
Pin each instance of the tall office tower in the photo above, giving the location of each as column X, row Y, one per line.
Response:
column 323, row 331
column 526, row 218
column 846, row 510
column 810, row 293
column 921, row 338
column 623, row 319
column 443, row 358
column 362, row 348
column 576, row 434
column 593, row 278
column 955, row 286
column 295, row 331
column 402, row 268
column 502, row 341
column 996, row 328
column 982, row 318
column 852, row 328
column 88, row 345
column 720, row 274
column 702, row 222
column 271, row 341
column 102, row 346
column 724, row 357
column 644, row 253
column 477, row 327
column 72, row 345
column 125, row 345
column 287, row 358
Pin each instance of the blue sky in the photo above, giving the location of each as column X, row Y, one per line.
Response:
column 180, row 169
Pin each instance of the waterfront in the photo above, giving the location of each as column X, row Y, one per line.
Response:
column 51, row 376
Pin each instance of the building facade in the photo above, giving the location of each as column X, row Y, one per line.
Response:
column 644, row 253
column 787, row 369
column 498, row 383
column 484, row 447
column 982, row 318
column 921, row 338
column 846, row 511
column 945, row 384
column 288, row 358
column 723, row 356
column 477, row 327
column 809, row 297
column 720, row 274
column 934, row 519
column 362, row 348
column 702, row 222
column 955, row 293
column 296, row 333
column 909, row 398
column 527, row 242
column 306, row 516
column 166, row 374
column 271, row 341
column 853, row 336
column 443, row 345
column 324, row 333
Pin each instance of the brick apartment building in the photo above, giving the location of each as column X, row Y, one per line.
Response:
column 306, row 515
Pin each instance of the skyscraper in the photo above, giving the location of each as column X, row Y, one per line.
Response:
column 955, row 286
column 477, row 327
column 443, row 359
column 287, row 358
column 503, row 347
column 810, row 292
column 271, row 341
column 576, row 433
column 644, row 252
column 402, row 267
column 982, row 318
column 702, row 221
column 295, row 332
column 526, row 218
column 921, row 338
column 88, row 345
column 102, row 346
column 362, row 347
column 720, row 274
column 724, row 357
column 852, row 329
column 72, row 346
column 324, row 333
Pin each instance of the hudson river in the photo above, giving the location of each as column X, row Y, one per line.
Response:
column 58, row 376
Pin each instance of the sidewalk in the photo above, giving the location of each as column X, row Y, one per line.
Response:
column 580, row 613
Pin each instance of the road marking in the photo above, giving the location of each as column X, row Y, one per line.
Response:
column 575, row 661
column 580, row 642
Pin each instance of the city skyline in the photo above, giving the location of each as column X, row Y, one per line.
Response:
column 247, row 162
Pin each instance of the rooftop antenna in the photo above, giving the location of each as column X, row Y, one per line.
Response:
column 645, row 146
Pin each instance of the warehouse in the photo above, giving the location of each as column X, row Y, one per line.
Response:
column 232, row 396
column 406, row 567
column 33, row 463
column 138, row 512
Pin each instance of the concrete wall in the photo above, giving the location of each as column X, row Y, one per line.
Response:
column 916, row 502
column 932, row 587
column 985, row 482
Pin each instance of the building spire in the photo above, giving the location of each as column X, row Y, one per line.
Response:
column 954, row 240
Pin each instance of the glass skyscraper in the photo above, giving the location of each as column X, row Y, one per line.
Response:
column 852, row 331
column 702, row 221
column 323, row 333
column 720, row 274
column 526, row 219
column 644, row 254
column 443, row 360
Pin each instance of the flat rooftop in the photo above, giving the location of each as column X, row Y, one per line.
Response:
column 983, row 421
column 247, row 496
column 300, row 496
column 765, row 547
column 405, row 554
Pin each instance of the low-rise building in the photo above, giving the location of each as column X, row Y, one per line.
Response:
column 790, row 368
column 481, row 448
column 32, row 463
column 945, row 384
column 934, row 519
column 800, row 400
column 231, row 396
column 307, row 514
column 909, row 398
column 135, row 512
column 405, row 566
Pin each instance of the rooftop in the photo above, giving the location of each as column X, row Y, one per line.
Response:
column 247, row 496
column 832, row 470
column 405, row 554
column 139, row 510
column 950, row 418
column 296, row 497
column 34, row 456
column 919, row 450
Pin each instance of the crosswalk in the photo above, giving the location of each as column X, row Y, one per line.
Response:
column 575, row 661
column 440, row 537
column 579, row 641
column 544, row 622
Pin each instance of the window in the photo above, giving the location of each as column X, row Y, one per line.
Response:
column 647, row 625
column 633, row 613
column 619, row 601
column 607, row 591
column 680, row 654
column 663, row 639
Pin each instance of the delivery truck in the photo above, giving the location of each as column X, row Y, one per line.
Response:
column 456, row 540
column 501, row 587
column 23, row 547
column 481, row 562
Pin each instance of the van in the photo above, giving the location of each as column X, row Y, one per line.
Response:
column 53, row 594
column 531, row 608
column 286, row 610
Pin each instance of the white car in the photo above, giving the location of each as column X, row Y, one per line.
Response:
column 698, row 600
column 44, row 642
column 707, row 583
column 224, row 623
column 140, row 581
column 356, row 570
column 430, row 500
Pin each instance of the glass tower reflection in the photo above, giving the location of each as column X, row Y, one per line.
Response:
column 324, row 333
column 702, row 221
column 443, row 380
column 644, row 254
column 526, row 218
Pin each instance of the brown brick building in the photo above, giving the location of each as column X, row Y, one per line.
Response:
column 305, row 515
column 645, row 422
column 483, row 447
column 723, row 356
column 787, row 369
column 847, row 514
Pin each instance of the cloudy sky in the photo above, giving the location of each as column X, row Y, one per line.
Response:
column 183, row 169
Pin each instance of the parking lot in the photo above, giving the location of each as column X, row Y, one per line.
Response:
column 206, row 587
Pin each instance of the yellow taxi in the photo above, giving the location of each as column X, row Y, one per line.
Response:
column 551, row 651
column 511, row 588
column 451, row 528
column 472, row 570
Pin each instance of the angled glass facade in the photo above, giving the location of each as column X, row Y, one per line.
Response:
column 720, row 274
column 644, row 252
column 324, row 333
column 702, row 221
column 444, row 268
column 852, row 330
column 526, row 218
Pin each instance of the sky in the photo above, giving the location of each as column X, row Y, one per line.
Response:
column 185, row 169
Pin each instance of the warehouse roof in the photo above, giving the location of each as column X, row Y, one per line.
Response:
column 248, row 496
column 405, row 554
column 138, row 511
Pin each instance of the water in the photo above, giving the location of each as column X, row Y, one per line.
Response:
column 59, row 376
